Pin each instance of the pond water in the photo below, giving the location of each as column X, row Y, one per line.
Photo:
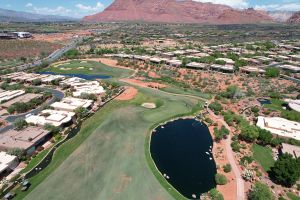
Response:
column 264, row 101
column 84, row 76
column 181, row 152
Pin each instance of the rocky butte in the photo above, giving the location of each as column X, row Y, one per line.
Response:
column 175, row 11
column 295, row 19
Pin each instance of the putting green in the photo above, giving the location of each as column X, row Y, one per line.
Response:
column 111, row 163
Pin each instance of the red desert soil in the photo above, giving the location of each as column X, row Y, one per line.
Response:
column 128, row 94
column 144, row 84
column 153, row 75
column 219, row 152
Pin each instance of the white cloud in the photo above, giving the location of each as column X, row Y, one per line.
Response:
column 79, row 10
column 60, row 10
column 90, row 9
column 29, row 5
column 233, row 3
column 281, row 7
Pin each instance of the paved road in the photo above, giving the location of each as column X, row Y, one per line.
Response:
column 57, row 95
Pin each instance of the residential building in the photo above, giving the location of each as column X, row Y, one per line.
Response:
column 53, row 117
column 27, row 139
column 280, row 126
column 71, row 104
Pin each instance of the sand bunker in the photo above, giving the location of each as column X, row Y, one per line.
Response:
column 128, row 94
column 149, row 105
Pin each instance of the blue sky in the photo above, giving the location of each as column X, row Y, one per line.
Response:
column 80, row 8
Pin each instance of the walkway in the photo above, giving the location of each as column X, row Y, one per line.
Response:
column 240, row 190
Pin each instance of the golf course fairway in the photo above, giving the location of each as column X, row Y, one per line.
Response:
column 109, row 158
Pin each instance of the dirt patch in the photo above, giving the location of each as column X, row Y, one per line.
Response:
column 144, row 84
column 153, row 75
column 128, row 94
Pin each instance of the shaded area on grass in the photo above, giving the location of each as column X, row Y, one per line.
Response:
column 264, row 156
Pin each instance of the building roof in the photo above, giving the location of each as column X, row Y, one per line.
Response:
column 280, row 126
column 291, row 149
column 71, row 104
column 24, row 139
column 53, row 117
column 294, row 104
column 6, row 160
column 23, row 98
column 8, row 95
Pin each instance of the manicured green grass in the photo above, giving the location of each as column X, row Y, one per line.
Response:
column 292, row 196
column 34, row 161
column 178, row 90
column 288, row 114
column 88, row 67
column 264, row 156
column 107, row 160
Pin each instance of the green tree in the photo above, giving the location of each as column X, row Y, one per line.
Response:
column 20, row 124
column 286, row 170
column 220, row 179
column 227, row 168
column 249, row 133
column 260, row 191
column 53, row 129
column 37, row 82
column 264, row 136
column 272, row 72
column 216, row 106
column 214, row 194
column 82, row 112
column 16, row 152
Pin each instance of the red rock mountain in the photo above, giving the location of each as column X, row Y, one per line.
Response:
column 172, row 11
column 295, row 19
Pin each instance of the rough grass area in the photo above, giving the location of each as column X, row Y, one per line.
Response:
column 88, row 67
column 14, row 49
column 263, row 155
column 34, row 161
column 109, row 158
column 292, row 196
column 288, row 114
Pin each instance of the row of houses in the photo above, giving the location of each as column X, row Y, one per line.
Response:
column 59, row 114
column 14, row 35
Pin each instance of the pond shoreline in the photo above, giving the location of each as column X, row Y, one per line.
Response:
column 159, row 175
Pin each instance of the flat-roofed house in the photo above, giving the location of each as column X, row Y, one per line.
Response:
column 23, row 98
column 280, row 126
column 293, row 104
column 27, row 139
column 250, row 69
column 223, row 68
column 291, row 68
column 70, row 104
column 291, row 149
column 53, row 117
column 174, row 63
column 8, row 95
column 195, row 65
column 226, row 60
column 295, row 57
column 7, row 163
